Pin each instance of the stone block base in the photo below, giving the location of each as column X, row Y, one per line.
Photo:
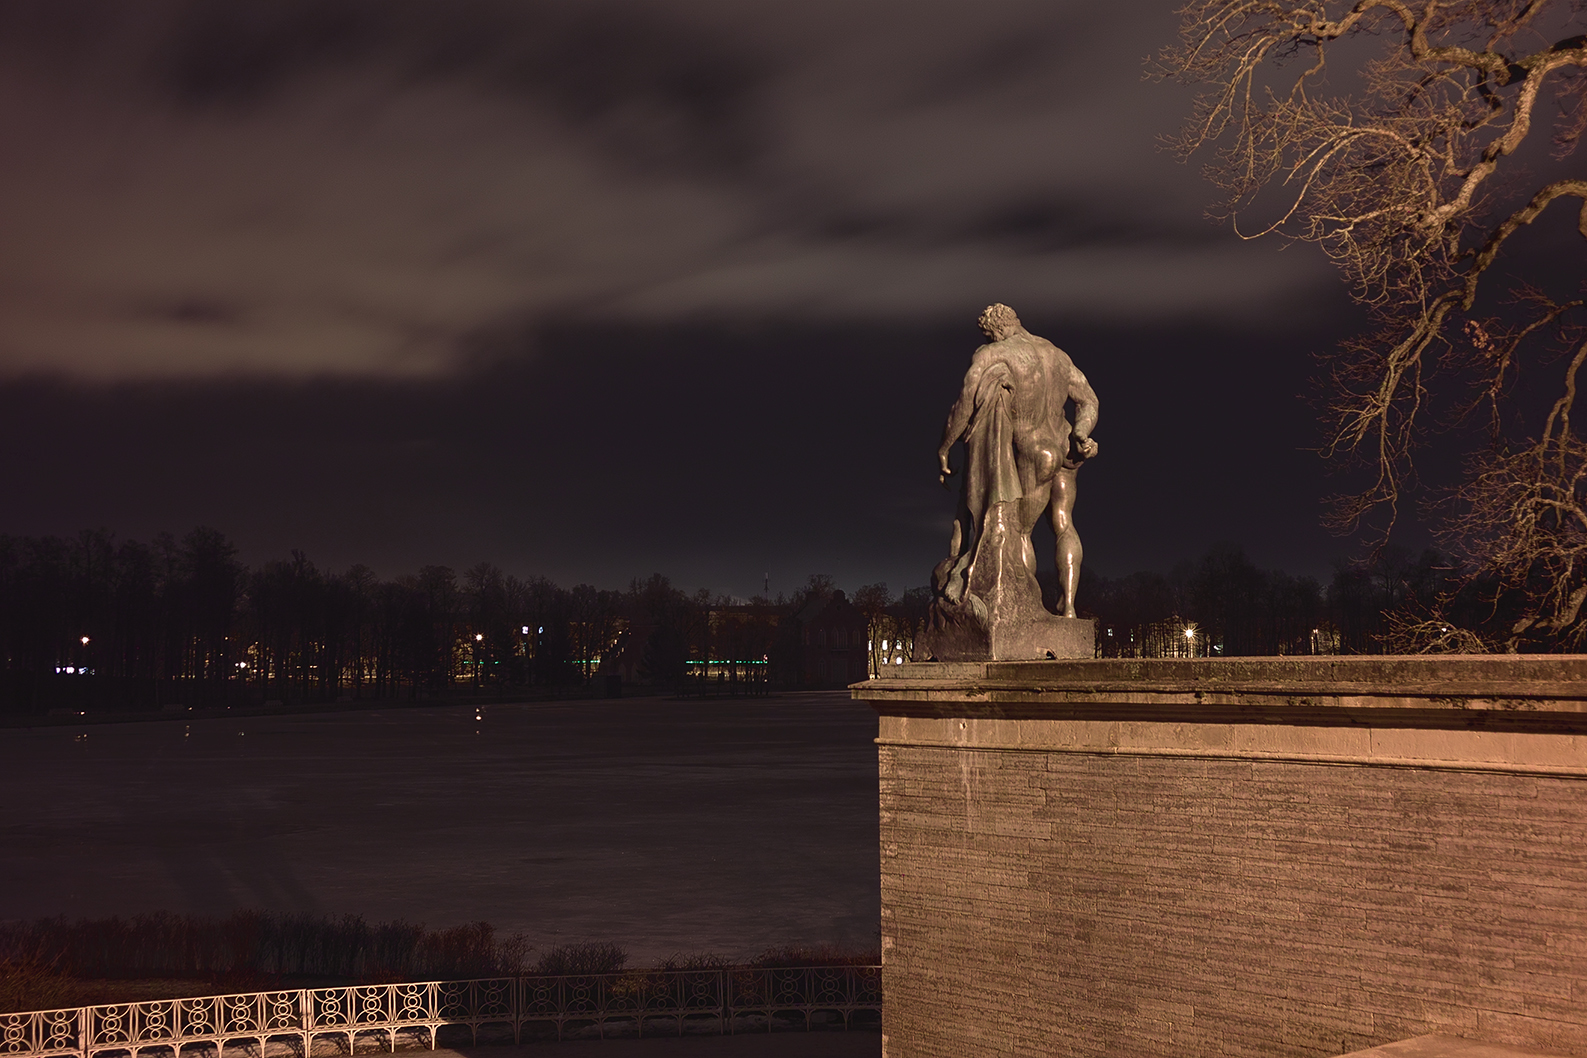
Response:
column 1045, row 638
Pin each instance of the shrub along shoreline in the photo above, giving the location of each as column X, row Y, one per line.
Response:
column 54, row 963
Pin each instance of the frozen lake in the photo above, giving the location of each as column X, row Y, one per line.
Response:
column 665, row 826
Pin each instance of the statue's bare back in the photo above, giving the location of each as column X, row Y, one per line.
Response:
column 1021, row 455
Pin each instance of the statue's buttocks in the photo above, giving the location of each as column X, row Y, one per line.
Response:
column 1021, row 456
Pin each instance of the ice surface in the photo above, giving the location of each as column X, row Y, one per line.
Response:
column 666, row 826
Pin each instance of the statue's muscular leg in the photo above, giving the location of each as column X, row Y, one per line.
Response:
column 1031, row 508
column 1063, row 527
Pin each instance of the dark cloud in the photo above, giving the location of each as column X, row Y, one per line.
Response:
column 647, row 88
column 1008, row 59
column 593, row 288
column 1044, row 224
column 241, row 53
column 199, row 310
column 714, row 454
column 653, row 90
column 368, row 185
column 1034, row 224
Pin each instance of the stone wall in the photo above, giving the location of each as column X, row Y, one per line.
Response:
column 1221, row 858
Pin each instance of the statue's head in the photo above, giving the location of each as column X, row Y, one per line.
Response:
column 999, row 322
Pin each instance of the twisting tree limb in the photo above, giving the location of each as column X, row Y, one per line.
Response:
column 1412, row 187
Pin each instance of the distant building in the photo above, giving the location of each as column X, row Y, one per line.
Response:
column 748, row 648
column 833, row 647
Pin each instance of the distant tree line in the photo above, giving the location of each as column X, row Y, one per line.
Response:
column 51, row 963
column 93, row 622
column 90, row 621
column 258, row 947
column 1231, row 607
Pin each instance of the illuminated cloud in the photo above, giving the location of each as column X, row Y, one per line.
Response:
column 298, row 189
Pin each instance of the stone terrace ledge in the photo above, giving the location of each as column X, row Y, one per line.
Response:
column 1512, row 713
column 1242, row 857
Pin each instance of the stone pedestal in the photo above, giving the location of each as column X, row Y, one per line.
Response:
column 991, row 609
column 965, row 638
column 998, row 615
column 1265, row 856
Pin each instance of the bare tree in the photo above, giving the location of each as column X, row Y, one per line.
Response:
column 594, row 625
column 872, row 600
column 1414, row 185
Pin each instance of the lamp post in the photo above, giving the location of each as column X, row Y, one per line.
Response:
column 479, row 639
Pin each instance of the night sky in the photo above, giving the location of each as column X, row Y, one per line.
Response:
column 594, row 289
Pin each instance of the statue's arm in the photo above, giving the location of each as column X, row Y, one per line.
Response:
column 959, row 416
column 1086, row 409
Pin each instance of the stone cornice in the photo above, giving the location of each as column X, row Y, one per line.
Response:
column 1526, row 692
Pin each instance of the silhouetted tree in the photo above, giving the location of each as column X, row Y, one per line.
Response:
column 592, row 626
column 360, row 585
column 433, row 637
column 1236, row 608
column 488, row 633
column 910, row 613
column 209, row 592
column 659, row 613
column 1227, row 595
column 285, row 607
column 132, row 649
column 548, row 609
column 874, row 600
column 1375, row 603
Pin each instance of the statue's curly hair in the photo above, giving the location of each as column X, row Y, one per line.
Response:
column 997, row 318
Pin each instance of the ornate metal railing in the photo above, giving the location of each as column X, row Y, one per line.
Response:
column 633, row 1003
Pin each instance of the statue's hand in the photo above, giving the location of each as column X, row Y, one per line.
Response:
column 1088, row 448
column 944, row 472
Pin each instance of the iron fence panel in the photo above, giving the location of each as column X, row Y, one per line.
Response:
column 42, row 1032
column 281, row 1011
column 207, row 1016
column 329, row 1008
column 631, row 998
column 462, row 1002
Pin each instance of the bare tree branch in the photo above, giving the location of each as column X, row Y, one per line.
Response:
column 1411, row 185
